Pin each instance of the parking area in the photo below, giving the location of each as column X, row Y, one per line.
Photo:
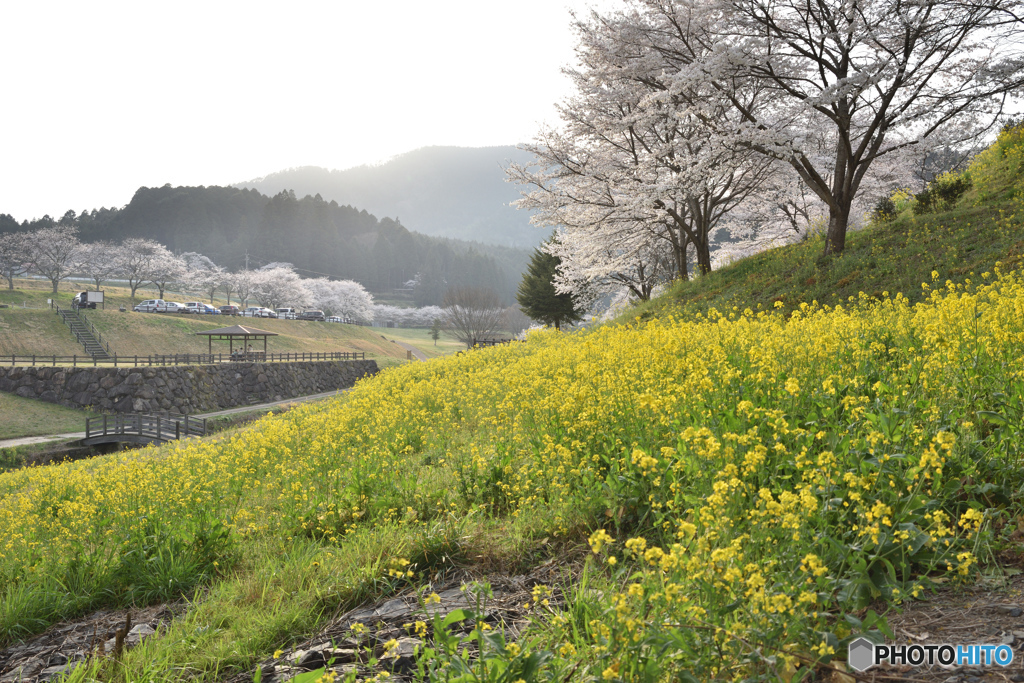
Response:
column 200, row 308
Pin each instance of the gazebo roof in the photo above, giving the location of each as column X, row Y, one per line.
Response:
column 239, row 331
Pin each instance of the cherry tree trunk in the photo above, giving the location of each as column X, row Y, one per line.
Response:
column 838, row 220
column 703, row 255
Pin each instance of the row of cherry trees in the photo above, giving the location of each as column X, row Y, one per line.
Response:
column 56, row 254
column 767, row 118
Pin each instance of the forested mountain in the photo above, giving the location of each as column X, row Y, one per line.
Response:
column 457, row 192
column 238, row 227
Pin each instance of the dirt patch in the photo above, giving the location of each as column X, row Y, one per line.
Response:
column 989, row 612
column 349, row 641
column 58, row 650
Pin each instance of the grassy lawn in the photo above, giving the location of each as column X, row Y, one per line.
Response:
column 28, row 417
column 420, row 338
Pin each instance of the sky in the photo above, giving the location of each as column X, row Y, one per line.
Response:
column 101, row 98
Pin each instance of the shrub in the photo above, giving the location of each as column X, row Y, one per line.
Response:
column 943, row 193
column 885, row 210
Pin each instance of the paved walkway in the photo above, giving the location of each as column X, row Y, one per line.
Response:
column 419, row 355
column 26, row 440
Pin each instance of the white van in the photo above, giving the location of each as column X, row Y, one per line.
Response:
column 287, row 313
column 149, row 306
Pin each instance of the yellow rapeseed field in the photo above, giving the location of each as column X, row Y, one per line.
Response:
column 744, row 478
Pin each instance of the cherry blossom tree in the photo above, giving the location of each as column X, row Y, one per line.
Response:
column 14, row 256
column 343, row 298
column 52, row 252
column 202, row 274
column 166, row 270
column 633, row 182
column 242, row 283
column 97, row 260
column 139, row 261
column 875, row 76
column 406, row 317
column 277, row 284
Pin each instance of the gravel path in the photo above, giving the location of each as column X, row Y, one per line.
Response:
column 419, row 355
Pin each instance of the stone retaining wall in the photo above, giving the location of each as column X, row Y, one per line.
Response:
column 181, row 388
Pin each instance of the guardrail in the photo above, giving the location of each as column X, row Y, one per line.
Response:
column 152, row 427
column 181, row 359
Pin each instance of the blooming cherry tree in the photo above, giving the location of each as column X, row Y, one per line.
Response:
column 873, row 77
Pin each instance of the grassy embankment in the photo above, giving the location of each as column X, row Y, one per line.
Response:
column 39, row 330
column 27, row 417
column 750, row 482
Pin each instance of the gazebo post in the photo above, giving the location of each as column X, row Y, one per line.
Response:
column 230, row 334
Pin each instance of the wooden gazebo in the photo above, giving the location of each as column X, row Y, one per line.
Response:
column 237, row 333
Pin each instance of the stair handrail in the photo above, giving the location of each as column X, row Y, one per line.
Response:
column 69, row 316
column 96, row 333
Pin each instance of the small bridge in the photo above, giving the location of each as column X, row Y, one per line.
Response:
column 141, row 429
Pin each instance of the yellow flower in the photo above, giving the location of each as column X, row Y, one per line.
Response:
column 598, row 539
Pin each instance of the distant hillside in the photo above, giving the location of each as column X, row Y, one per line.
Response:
column 457, row 192
column 321, row 238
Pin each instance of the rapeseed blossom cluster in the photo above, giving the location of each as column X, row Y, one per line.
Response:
column 745, row 473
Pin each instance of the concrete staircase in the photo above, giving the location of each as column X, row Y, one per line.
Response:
column 86, row 334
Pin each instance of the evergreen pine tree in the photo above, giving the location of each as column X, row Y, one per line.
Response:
column 537, row 296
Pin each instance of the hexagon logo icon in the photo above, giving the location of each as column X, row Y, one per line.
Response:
column 861, row 654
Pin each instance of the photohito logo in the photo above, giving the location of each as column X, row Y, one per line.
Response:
column 863, row 654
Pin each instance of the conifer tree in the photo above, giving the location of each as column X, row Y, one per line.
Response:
column 538, row 298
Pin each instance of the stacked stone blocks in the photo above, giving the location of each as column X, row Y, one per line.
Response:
column 181, row 388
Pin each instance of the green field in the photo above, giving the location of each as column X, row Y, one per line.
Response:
column 29, row 417
column 421, row 339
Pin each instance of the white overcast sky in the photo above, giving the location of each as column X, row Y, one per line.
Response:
column 100, row 98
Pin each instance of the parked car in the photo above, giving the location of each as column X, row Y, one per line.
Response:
column 334, row 319
column 170, row 307
column 149, row 306
column 259, row 312
column 230, row 309
column 312, row 315
column 287, row 313
column 200, row 308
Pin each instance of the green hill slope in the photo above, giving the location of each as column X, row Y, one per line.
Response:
column 740, row 493
column 894, row 257
column 985, row 225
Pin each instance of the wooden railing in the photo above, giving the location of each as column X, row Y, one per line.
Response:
column 147, row 426
column 182, row 359
column 81, row 330
column 491, row 342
